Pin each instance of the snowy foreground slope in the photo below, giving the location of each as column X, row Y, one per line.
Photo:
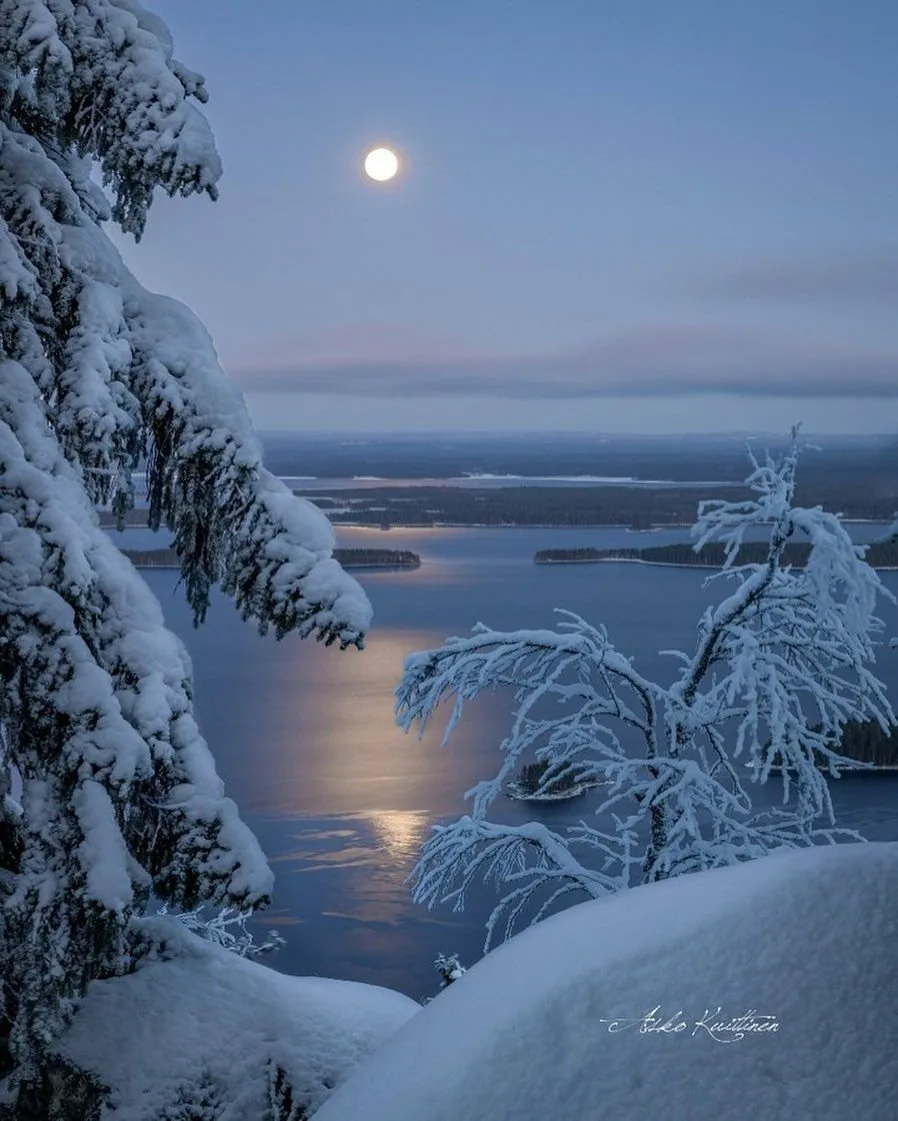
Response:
column 209, row 1022
column 548, row 1027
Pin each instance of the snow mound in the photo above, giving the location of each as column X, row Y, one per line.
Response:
column 208, row 1026
column 556, row 1023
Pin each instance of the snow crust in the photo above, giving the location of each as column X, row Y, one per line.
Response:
column 206, row 1017
column 549, row 1026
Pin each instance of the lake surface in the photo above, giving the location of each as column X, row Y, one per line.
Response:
column 342, row 800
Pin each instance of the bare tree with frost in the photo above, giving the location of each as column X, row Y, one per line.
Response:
column 779, row 666
column 109, row 792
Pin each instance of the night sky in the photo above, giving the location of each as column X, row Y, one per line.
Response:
column 618, row 216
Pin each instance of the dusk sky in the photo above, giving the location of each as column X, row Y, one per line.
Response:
column 616, row 216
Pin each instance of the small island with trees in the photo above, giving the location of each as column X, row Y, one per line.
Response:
column 347, row 558
column 534, row 783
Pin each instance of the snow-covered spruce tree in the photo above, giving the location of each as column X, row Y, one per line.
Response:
column 116, row 794
column 779, row 666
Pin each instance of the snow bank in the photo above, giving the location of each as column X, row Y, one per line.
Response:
column 207, row 1025
column 551, row 1027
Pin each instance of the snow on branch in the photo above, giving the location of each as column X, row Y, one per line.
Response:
column 530, row 857
column 102, row 74
column 139, row 371
column 524, row 660
column 95, row 700
column 234, row 523
column 227, row 928
column 73, row 585
column 120, row 799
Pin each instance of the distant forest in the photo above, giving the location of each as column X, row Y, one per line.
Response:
column 636, row 507
column 879, row 555
column 856, row 477
column 630, row 506
column 866, row 742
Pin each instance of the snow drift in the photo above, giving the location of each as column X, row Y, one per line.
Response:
column 577, row 1018
column 202, row 1026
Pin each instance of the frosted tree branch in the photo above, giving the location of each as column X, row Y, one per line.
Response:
column 780, row 665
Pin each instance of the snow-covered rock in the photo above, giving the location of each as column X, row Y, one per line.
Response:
column 554, row 1025
column 211, row 1029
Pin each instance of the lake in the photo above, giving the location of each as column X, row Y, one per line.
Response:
column 342, row 800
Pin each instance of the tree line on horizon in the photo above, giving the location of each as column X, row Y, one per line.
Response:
column 634, row 507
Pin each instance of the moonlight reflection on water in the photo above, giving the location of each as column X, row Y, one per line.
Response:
column 341, row 799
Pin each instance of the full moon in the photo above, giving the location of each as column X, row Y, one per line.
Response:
column 381, row 164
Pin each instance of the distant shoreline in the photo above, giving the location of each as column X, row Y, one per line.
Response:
column 371, row 559
column 588, row 528
column 881, row 555
column 106, row 523
column 854, row 769
column 668, row 564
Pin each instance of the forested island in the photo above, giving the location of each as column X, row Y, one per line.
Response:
column 347, row 558
column 535, row 783
column 879, row 555
column 377, row 558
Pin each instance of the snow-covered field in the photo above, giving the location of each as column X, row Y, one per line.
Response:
column 765, row 991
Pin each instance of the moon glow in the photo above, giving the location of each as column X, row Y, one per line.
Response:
column 381, row 164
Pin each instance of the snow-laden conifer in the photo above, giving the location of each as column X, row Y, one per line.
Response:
column 109, row 791
column 779, row 666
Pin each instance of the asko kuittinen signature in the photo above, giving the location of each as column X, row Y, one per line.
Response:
column 714, row 1022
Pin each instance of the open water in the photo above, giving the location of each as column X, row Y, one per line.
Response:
column 342, row 800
